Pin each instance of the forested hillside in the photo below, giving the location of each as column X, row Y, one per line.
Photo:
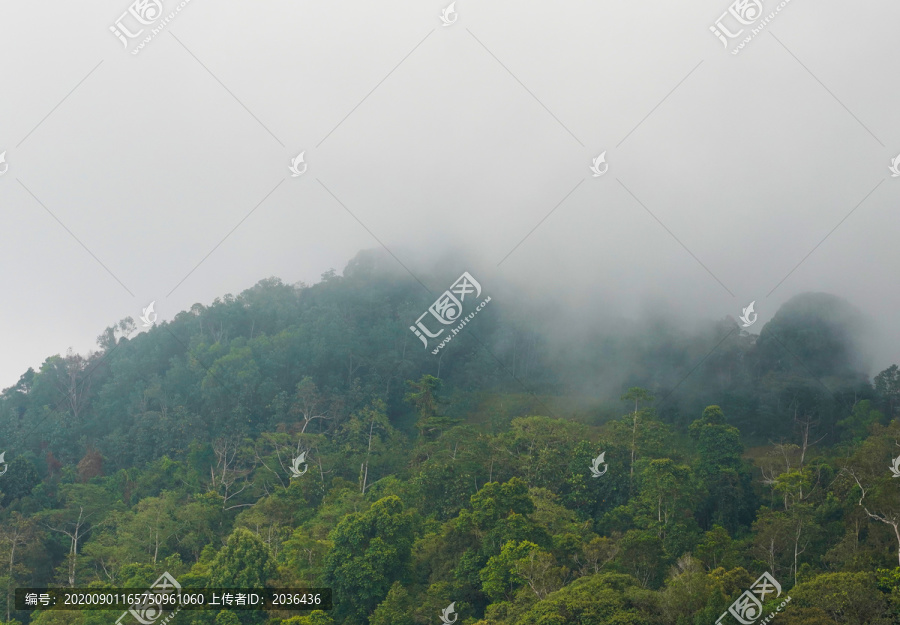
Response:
column 499, row 483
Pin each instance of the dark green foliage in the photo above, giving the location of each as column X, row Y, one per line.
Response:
column 370, row 550
column 20, row 479
column 848, row 598
column 887, row 387
column 428, row 488
column 729, row 500
column 593, row 599
column 244, row 562
column 396, row 609
column 814, row 333
column 227, row 617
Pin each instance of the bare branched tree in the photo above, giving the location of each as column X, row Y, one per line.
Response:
column 225, row 475
column 75, row 532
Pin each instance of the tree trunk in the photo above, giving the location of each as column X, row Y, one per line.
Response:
column 368, row 452
column 897, row 534
column 633, row 442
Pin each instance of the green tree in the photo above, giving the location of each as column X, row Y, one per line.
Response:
column 227, row 617
column 153, row 526
column 717, row 549
column 856, row 427
column 641, row 556
column 593, row 497
column 887, row 385
column 15, row 535
column 396, row 609
column 687, row 592
column 198, row 520
column 847, row 598
column 499, row 578
column 542, row 448
column 84, row 505
column 367, row 438
column 540, row 572
column 494, row 502
column 597, row 553
column 316, row 617
column 667, row 490
column 720, row 468
column 667, row 497
column 243, row 562
column 110, row 550
column 637, row 395
column 19, row 480
column 604, row 598
column 424, row 398
column 370, row 551
column 798, row 615
column 451, row 471
column 875, row 489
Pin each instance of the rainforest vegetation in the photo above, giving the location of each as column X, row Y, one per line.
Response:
column 462, row 478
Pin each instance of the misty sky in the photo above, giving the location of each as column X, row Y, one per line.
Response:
column 725, row 171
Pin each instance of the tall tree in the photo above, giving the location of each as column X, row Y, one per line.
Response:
column 84, row 505
column 637, row 395
column 423, row 396
column 370, row 551
column 243, row 562
column 887, row 385
column 868, row 469
column 16, row 532
column 720, row 467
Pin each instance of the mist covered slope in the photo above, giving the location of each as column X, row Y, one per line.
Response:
column 638, row 470
column 228, row 367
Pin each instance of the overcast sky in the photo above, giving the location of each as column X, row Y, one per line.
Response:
column 164, row 176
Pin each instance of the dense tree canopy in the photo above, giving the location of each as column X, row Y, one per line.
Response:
column 299, row 436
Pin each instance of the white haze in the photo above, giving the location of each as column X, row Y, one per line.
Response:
column 151, row 162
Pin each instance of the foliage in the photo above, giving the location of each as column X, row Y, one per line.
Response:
column 435, row 488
